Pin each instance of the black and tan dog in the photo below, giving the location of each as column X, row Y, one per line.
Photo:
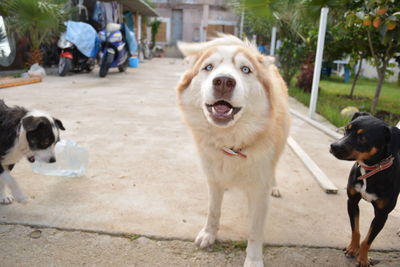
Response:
column 375, row 176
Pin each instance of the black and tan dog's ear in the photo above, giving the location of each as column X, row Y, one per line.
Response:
column 59, row 124
column 395, row 139
column 359, row 114
column 31, row 123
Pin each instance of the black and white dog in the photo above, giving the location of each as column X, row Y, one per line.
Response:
column 31, row 134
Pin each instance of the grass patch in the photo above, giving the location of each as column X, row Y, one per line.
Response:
column 132, row 237
column 333, row 97
column 228, row 246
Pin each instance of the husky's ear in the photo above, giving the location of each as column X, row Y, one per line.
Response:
column 266, row 60
column 359, row 114
column 59, row 124
column 31, row 123
column 190, row 51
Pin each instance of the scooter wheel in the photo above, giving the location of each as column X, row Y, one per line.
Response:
column 64, row 66
column 89, row 67
column 123, row 66
column 106, row 62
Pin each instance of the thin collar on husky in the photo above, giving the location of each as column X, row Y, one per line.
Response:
column 383, row 165
column 231, row 152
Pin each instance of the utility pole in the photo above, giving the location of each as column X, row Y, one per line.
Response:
column 273, row 41
column 318, row 61
column 241, row 24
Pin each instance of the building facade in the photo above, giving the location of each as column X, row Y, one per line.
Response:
column 193, row 20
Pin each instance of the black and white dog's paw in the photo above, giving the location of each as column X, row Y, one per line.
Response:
column 275, row 192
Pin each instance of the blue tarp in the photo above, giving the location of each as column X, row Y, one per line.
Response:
column 130, row 33
column 84, row 37
column 131, row 40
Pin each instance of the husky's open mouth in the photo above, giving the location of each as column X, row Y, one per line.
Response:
column 31, row 159
column 222, row 112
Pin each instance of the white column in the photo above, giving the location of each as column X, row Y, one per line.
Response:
column 254, row 40
column 273, row 42
column 241, row 24
column 318, row 61
column 148, row 33
column 204, row 23
column 139, row 31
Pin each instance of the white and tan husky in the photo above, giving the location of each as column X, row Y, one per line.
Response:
column 235, row 102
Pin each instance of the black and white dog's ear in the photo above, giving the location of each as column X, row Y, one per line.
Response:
column 31, row 123
column 59, row 124
column 359, row 114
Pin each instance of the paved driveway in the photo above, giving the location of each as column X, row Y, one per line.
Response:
column 144, row 176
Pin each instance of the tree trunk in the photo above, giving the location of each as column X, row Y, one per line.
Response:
column 35, row 56
column 287, row 76
column 398, row 79
column 353, row 86
column 381, row 78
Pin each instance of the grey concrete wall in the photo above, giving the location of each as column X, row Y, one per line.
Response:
column 192, row 24
column 192, row 17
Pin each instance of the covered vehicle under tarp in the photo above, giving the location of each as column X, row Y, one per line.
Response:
column 7, row 46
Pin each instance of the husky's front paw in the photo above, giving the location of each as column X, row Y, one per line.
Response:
column 253, row 263
column 6, row 200
column 204, row 239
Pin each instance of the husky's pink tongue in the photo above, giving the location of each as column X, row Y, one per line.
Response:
column 221, row 108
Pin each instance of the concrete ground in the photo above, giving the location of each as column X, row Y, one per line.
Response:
column 144, row 180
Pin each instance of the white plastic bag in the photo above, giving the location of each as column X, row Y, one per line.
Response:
column 36, row 71
column 72, row 160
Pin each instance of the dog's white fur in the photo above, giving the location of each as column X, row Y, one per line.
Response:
column 19, row 150
column 260, row 129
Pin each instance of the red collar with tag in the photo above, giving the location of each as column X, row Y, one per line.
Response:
column 231, row 152
column 374, row 169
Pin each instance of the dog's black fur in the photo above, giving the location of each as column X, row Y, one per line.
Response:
column 369, row 141
column 10, row 119
column 40, row 134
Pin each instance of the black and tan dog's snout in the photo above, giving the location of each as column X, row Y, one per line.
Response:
column 339, row 150
column 223, row 87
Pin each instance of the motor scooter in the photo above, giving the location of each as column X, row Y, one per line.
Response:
column 114, row 51
column 71, row 59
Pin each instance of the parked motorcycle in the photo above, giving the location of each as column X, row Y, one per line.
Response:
column 71, row 59
column 114, row 51
column 145, row 50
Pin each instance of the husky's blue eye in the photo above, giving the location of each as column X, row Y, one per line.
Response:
column 209, row 67
column 245, row 69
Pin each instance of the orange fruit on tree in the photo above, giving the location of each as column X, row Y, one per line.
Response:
column 391, row 25
column 381, row 10
column 377, row 22
column 367, row 21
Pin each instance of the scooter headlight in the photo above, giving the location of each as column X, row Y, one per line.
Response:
column 63, row 43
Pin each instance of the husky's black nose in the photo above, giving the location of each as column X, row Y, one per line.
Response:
column 223, row 87
column 52, row 160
